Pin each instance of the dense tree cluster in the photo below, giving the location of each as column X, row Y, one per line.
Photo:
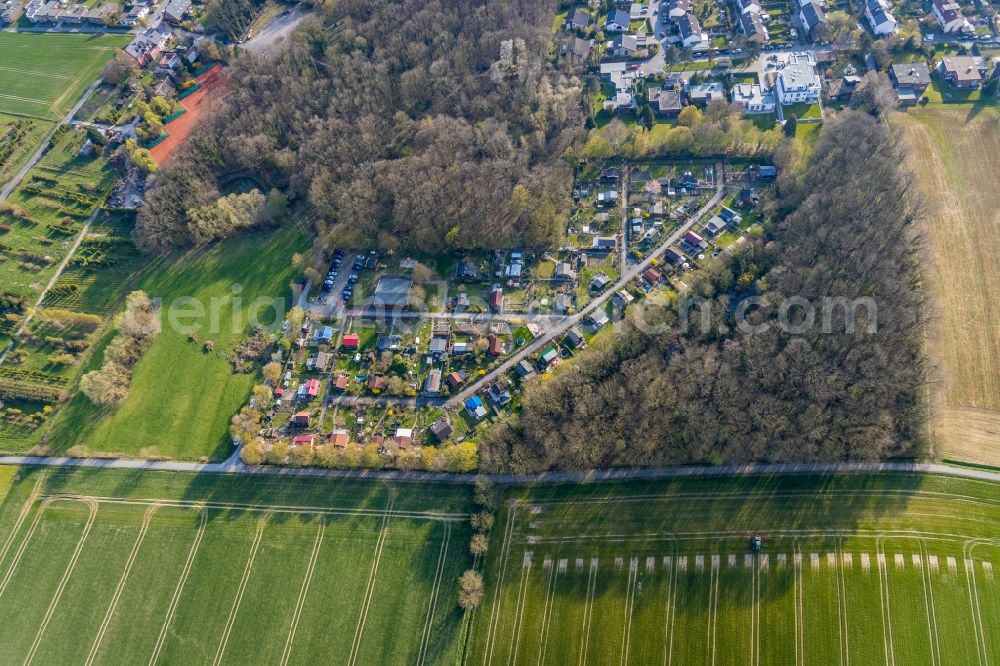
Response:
column 428, row 124
column 141, row 324
column 719, row 393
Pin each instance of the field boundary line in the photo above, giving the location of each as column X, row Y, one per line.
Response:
column 272, row 509
column 668, row 625
column 70, row 566
column 179, row 588
column 9, row 575
column 494, row 624
column 883, row 582
column 588, row 611
column 244, row 580
column 547, row 610
column 106, row 622
column 370, row 588
column 21, row 517
column 797, row 582
column 713, row 609
column 435, row 590
column 61, row 77
column 842, row 603
column 304, row 590
column 77, row 80
column 932, row 628
column 977, row 615
column 519, row 604
column 633, row 575
column 755, row 611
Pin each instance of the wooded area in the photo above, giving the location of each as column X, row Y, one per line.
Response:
column 427, row 125
column 717, row 394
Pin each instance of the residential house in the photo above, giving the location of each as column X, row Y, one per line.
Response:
column 442, row 429
column 637, row 11
column 812, row 16
column 962, row 71
column 495, row 345
column 730, row 216
column 842, row 89
column 340, row 437
column 524, row 369
column 324, row 335
column 351, row 341
column 454, row 380
column 666, row 103
column 949, row 16
column 474, row 406
column 674, row 9
column 459, row 348
column 798, row 82
column 10, row 11
column 563, row 303
column 496, row 298
column 340, row 382
column 611, row 174
column 749, row 197
column 403, row 438
column 598, row 319
column 690, row 31
column 617, row 21
column 580, row 49
column 376, row 383
column 176, row 11
column 499, row 394
column 391, row 343
column 549, row 355
column 715, row 226
column 138, row 12
column 564, row 271
column 575, row 338
column 609, row 198
column 303, row 440
column 147, row 45
column 910, row 80
column 752, row 99
column 703, row 93
column 694, row 241
column 753, row 27
column 652, row 276
column 624, row 45
column 674, row 256
column 432, row 385
column 312, row 388
column 301, row 419
column 599, row 282
column 748, row 7
column 621, row 299
column 880, row 18
column 578, row 19
column 604, row 244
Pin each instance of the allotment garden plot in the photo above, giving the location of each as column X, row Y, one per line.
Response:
column 225, row 576
column 851, row 571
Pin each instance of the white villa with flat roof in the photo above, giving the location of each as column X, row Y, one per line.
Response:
column 798, row 82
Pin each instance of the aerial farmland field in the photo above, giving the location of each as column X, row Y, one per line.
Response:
column 138, row 567
column 858, row 570
column 43, row 75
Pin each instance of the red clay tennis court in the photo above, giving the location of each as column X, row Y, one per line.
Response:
column 198, row 103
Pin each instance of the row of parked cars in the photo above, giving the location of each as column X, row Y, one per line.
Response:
column 361, row 262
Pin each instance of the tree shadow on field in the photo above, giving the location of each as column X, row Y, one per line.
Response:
column 699, row 518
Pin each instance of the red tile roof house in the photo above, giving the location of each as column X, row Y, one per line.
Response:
column 496, row 345
column 351, row 341
column 340, row 382
column 312, row 388
column 339, row 437
column 303, row 440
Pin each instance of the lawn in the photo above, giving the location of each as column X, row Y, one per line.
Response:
column 43, row 75
column 881, row 568
column 177, row 568
column 803, row 111
column 955, row 153
column 182, row 397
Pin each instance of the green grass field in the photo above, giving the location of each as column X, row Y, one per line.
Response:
column 182, row 397
column 854, row 570
column 43, row 75
column 136, row 567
